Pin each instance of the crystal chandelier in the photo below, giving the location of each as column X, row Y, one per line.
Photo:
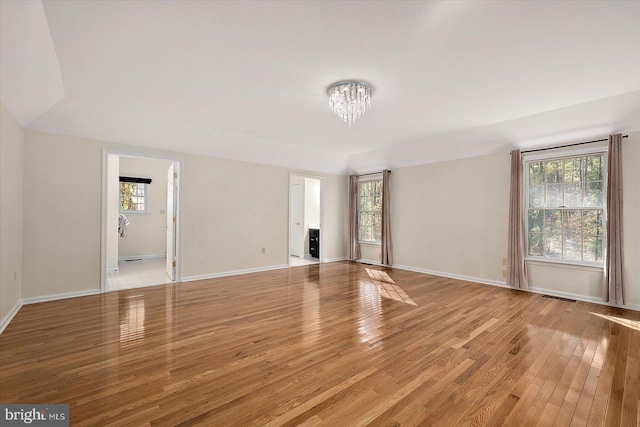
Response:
column 349, row 100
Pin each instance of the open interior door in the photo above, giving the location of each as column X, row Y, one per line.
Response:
column 296, row 235
column 172, row 181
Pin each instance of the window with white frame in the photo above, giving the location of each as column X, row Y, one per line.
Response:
column 133, row 197
column 565, row 208
column 370, row 210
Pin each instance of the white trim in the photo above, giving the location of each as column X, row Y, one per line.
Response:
column 146, row 201
column 564, row 264
column 179, row 169
column 377, row 176
column 10, row 315
column 321, row 178
column 152, row 256
column 54, row 297
column 453, row 276
column 583, row 298
column 112, row 270
column 234, row 273
column 564, row 152
column 525, row 199
column 536, row 290
column 342, row 258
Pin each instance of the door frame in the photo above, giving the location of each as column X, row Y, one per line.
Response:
column 177, row 163
column 322, row 242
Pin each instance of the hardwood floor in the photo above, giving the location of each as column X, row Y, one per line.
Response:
column 319, row 345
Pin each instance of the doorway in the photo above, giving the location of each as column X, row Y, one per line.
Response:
column 140, row 220
column 305, row 225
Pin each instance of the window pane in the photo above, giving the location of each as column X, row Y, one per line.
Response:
column 593, row 194
column 377, row 234
column 592, row 248
column 535, row 244
column 572, row 222
column 536, row 220
column 553, row 245
column 573, row 195
column 593, row 168
column 536, row 196
column 565, row 187
column 554, row 195
column 553, row 221
column 592, row 222
column 377, row 203
column 554, row 171
column 364, row 219
column 572, row 170
column 573, row 247
column 536, row 174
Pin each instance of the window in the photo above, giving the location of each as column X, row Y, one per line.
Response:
column 370, row 211
column 565, row 208
column 133, row 197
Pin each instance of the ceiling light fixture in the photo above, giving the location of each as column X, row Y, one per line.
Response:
column 349, row 100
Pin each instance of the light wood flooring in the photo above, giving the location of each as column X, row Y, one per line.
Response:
column 322, row 345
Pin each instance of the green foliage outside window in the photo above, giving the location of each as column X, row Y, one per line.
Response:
column 370, row 211
column 132, row 197
column 565, row 215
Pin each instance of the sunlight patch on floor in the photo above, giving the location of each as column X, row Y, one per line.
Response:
column 633, row 324
column 387, row 287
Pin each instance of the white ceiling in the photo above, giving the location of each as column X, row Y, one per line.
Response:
column 248, row 80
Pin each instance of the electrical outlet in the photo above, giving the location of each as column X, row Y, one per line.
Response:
column 504, row 261
column 264, row 250
column 504, row 273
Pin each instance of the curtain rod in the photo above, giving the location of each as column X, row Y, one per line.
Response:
column 372, row 173
column 568, row 145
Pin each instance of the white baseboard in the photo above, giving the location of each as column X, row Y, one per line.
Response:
column 233, row 273
column 7, row 319
column 342, row 258
column 577, row 297
column 129, row 258
column 54, row 297
column 453, row 276
column 584, row 298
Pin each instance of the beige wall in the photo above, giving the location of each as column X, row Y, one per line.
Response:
column 62, row 208
column 451, row 217
column 631, row 189
column 11, row 154
column 370, row 252
column 230, row 210
column 335, row 210
column 147, row 233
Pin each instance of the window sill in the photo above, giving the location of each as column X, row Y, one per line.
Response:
column 370, row 243
column 128, row 213
column 564, row 264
